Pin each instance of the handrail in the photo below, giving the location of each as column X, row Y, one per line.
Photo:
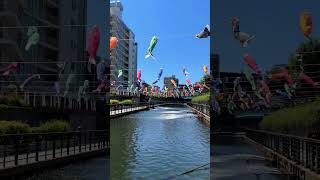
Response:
column 203, row 108
column 301, row 150
column 118, row 109
column 24, row 149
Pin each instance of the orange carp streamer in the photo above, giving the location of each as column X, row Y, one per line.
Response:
column 205, row 69
column 306, row 24
column 113, row 42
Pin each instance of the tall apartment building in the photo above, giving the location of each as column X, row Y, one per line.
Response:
column 168, row 83
column 63, row 28
column 124, row 57
column 215, row 65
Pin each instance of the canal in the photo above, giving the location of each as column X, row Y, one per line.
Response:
column 235, row 159
column 160, row 144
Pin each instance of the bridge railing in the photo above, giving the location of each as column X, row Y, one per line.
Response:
column 127, row 93
column 23, row 149
column 41, row 100
column 204, row 108
column 302, row 151
column 122, row 108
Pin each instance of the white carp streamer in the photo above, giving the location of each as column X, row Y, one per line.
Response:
column 69, row 80
column 28, row 79
column 82, row 92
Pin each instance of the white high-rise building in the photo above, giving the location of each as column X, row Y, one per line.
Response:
column 124, row 57
column 116, row 8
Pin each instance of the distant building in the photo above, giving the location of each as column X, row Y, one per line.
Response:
column 180, row 86
column 124, row 57
column 168, row 83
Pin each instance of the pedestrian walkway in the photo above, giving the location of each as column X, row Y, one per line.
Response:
column 235, row 159
column 31, row 158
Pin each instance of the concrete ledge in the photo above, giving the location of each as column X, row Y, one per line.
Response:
column 29, row 169
column 284, row 164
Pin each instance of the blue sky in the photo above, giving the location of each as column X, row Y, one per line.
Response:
column 175, row 22
column 274, row 22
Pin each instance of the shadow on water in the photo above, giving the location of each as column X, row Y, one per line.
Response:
column 234, row 159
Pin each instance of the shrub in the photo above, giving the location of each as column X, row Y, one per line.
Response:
column 52, row 126
column 296, row 119
column 202, row 99
column 3, row 108
column 14, row 127
column 11, row 100
column 114, row 101
column 126, row 102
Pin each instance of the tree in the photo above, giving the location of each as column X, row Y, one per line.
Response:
column 309, row 55
column 205, row 79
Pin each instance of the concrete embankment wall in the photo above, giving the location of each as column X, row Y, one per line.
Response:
column 284, row 164
column 203, row 117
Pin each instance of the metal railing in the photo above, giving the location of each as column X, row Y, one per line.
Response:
column 204, row 108
column 116, row 109
column 303, row 151
column 40, row 100
column 126, row 93
column 23, row 149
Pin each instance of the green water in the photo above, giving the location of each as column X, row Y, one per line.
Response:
column 158, row 144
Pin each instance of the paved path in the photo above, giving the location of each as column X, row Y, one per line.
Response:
column 30, row 158
column 235, row 159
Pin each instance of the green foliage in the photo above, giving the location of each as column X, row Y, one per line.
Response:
column 304, row 50
column 113, row 93
column 3, row 108
column 54, row 125
column 294, row 66
column 205, row 79
column 114, row 101
column 14, row 127
column 202, row 99
column 296, row 119
column 11, row 100
column 126, row 102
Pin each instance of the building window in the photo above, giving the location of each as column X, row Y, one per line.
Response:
column 72, row 26
column 74, row 4
column 73, row 44
column 1, row 33
column 2, row 4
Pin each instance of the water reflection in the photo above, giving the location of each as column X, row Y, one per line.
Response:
column 158, row 144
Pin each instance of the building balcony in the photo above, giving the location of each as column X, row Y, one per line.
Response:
column 54, row 3
column 47, row 45
column 49, row 68
column 52, row 19
column 12, row 6
column 12, row 49
column 9, row 18
column 51, row 41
